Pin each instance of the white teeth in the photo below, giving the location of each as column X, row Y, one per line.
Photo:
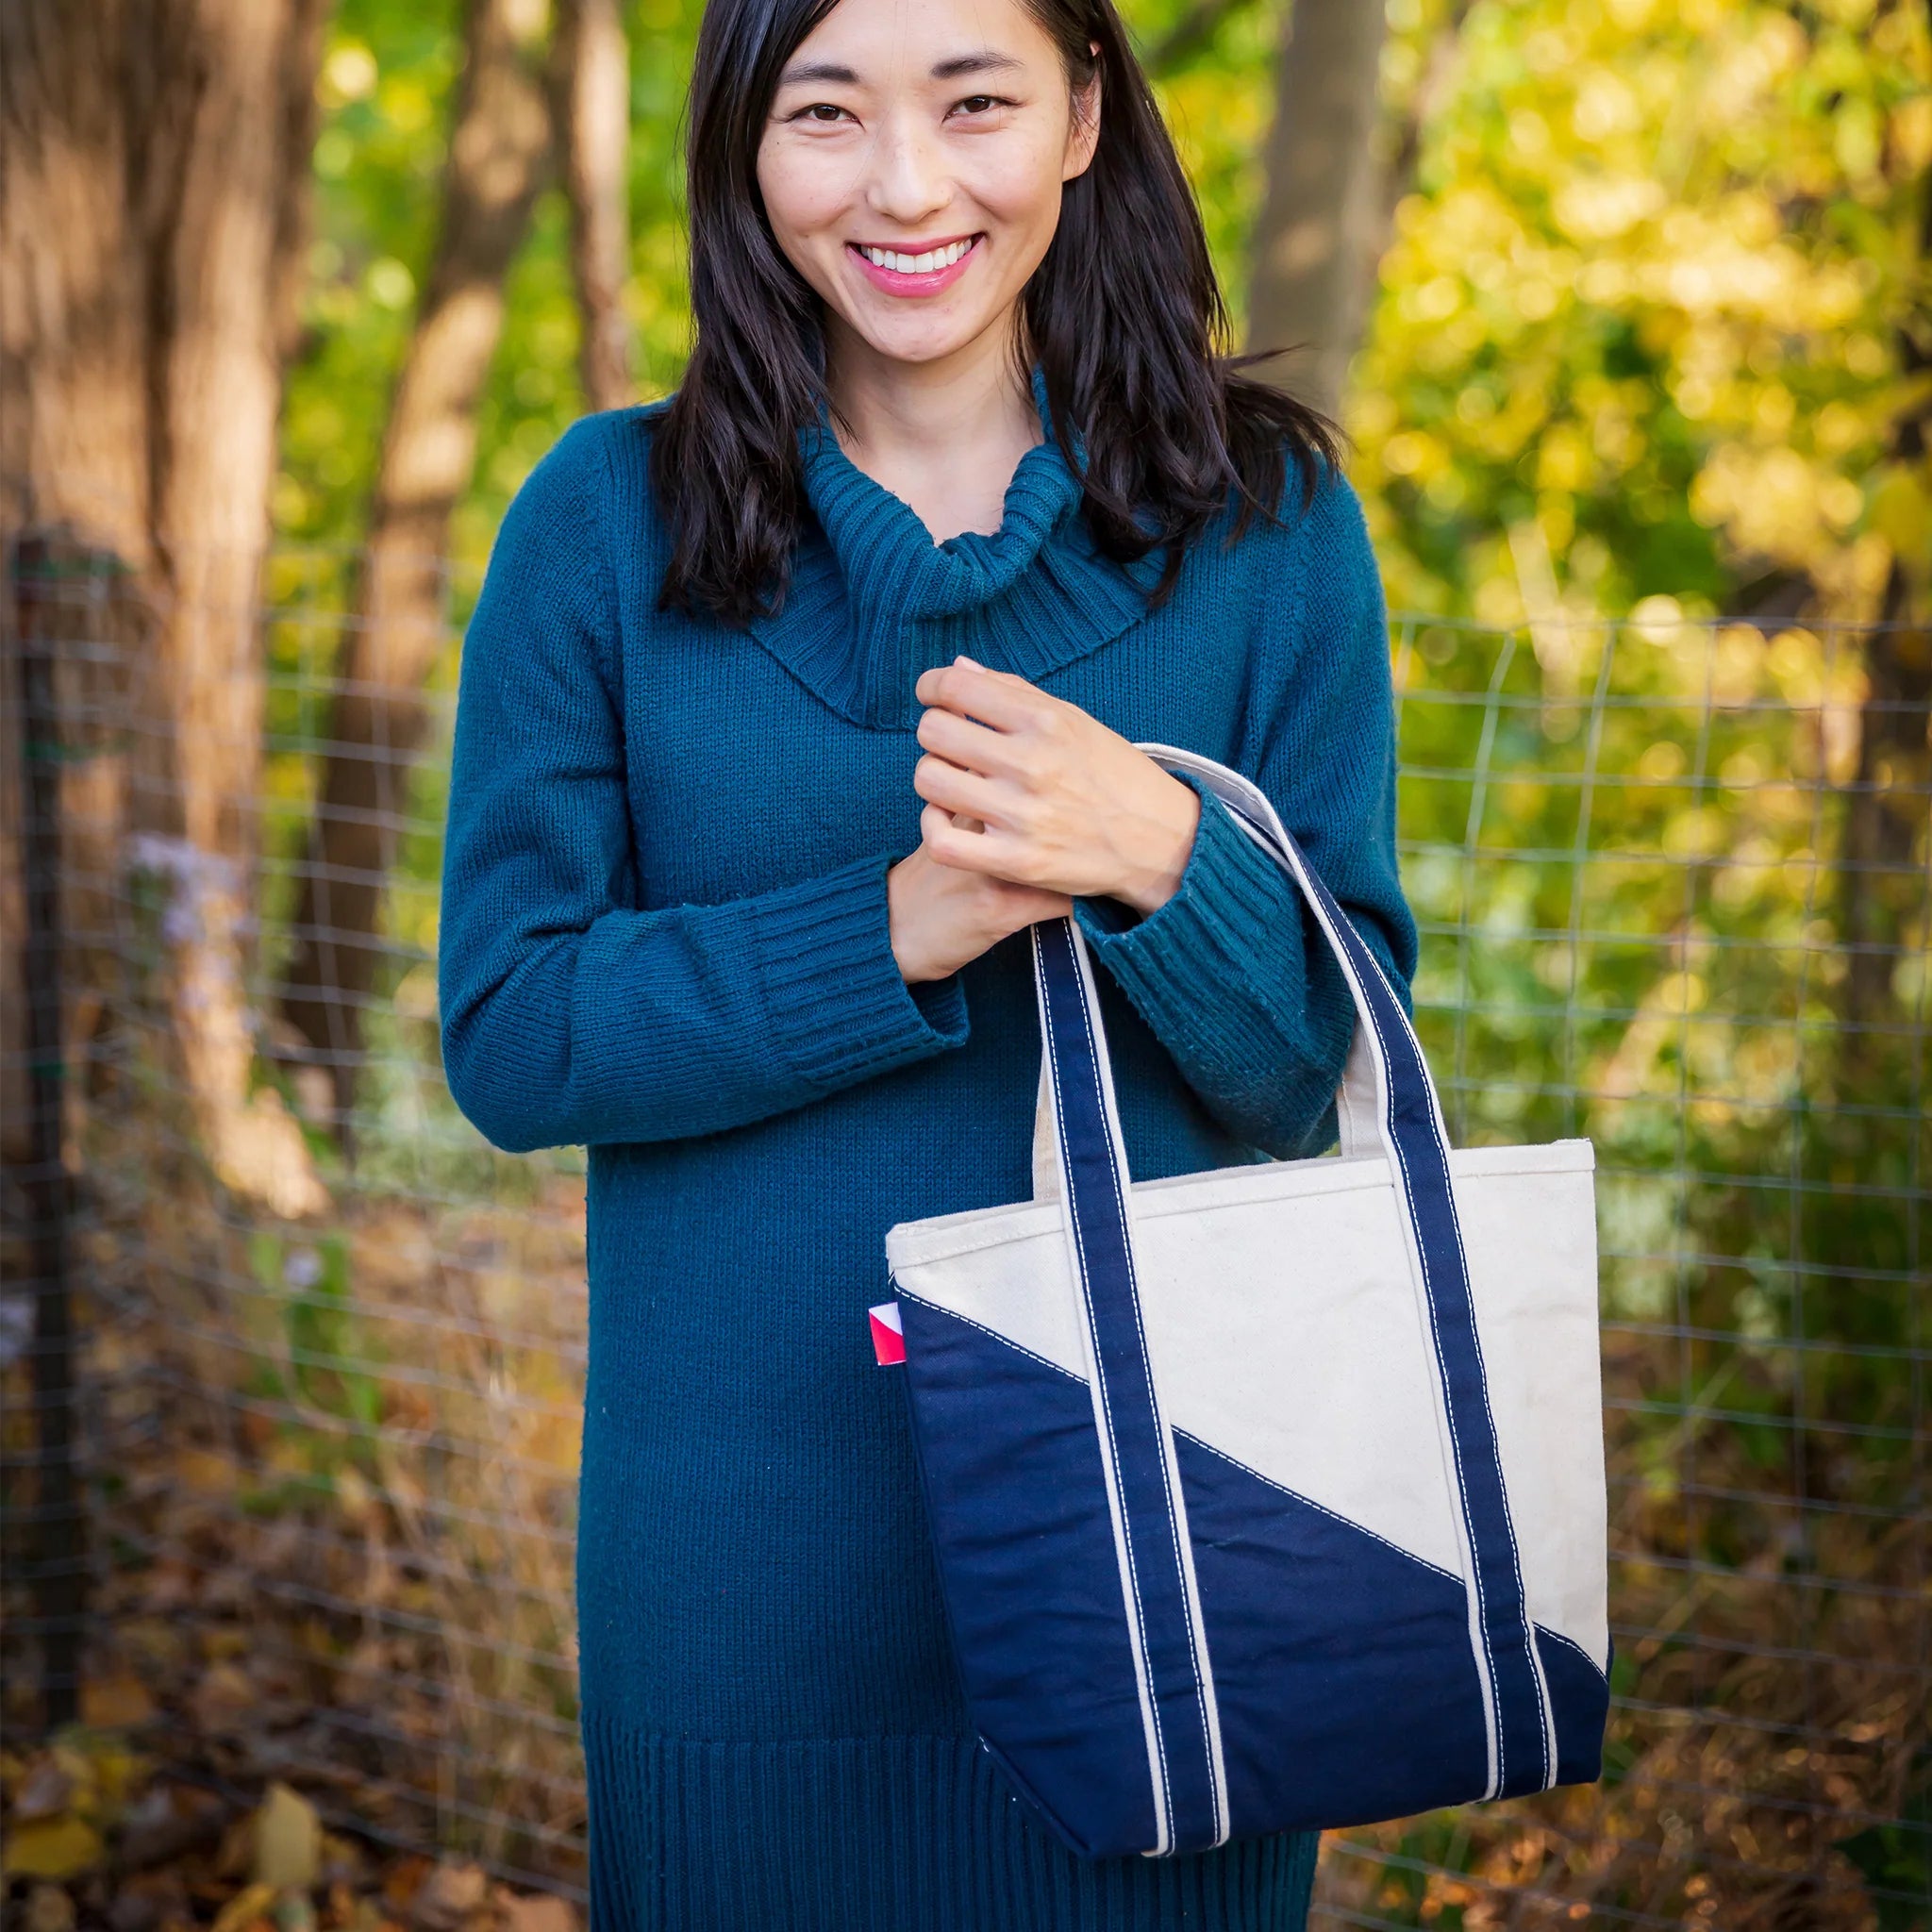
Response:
column 918, row 264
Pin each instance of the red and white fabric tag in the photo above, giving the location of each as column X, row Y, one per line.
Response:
column 887, row 1337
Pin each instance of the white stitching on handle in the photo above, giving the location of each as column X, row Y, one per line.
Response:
column 1169, row 1473
column 1157, row 1766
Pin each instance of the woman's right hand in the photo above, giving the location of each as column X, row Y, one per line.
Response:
column 942, row 916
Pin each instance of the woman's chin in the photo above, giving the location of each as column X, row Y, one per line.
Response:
column 919, row 341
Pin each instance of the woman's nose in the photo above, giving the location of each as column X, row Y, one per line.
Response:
column 908, row 177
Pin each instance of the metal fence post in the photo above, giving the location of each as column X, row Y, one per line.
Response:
column 56, row 1571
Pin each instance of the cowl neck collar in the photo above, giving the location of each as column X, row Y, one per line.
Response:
column 874, row 601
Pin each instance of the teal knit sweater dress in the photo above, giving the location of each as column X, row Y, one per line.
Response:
column 664, row 936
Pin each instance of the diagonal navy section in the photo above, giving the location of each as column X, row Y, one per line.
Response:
column 1326, row 1634
column 1016, row 1494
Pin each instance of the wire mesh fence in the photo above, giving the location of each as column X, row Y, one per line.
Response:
column 293, row 1358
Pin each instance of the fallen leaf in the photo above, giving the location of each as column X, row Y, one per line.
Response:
column 287, row 1840
column 117, row 1702
column 223, row 1697
column 113, row 1772
column 448, row 1896
column 144, row 1900
column 206, row 1472
column 403, row 1879
column 541, row 1911
column 51, row 1848
column 168, row 1585
column 166, row 1821
column 295, row 1912
column 251, row 1903
column 45, row 1791
column 73, row 1755
column 133, row 1911
column 235, row 1860
column 49, row 1909
column 342, row 1860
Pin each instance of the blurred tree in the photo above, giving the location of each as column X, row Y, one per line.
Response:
column 1321, row 225
column 499, row 152
column 591, row 107
column 153, row 211
column 1893, row 782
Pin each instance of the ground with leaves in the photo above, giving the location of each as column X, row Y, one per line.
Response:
column 98, row 1836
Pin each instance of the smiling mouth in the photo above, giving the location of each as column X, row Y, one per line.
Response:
column 913, row 266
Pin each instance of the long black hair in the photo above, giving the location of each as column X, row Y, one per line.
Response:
column 1123, row 315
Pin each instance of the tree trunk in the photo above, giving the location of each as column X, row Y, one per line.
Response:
column 149, row 211
column 73, row 393
column 218, row 175
column 1403, row 142
column 73, row 408
column 591, row 93
column 499, row 153
column 1321, row 218
column 1882, row 874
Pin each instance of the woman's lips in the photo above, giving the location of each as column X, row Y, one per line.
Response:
column 897, row 281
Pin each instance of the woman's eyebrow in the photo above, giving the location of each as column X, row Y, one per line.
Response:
column 809, row 71
column 983, row 62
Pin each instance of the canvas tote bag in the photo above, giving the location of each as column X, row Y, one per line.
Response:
column 1270, row 1497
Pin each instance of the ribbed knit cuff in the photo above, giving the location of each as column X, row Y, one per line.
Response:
column 841, row 1010
column 1234, row 905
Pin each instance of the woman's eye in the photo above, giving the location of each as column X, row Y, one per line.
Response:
column 820, row 112
column 979, row 104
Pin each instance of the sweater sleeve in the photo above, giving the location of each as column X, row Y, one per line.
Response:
column 1232, row 973
column 571, row 1012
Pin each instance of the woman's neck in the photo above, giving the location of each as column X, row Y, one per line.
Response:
column 945, row 438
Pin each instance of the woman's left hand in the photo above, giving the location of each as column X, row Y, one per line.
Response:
column 1029, row 788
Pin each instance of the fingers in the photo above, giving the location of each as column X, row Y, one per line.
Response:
column 940, row 782
column 1004, row 701
column 949, row 842
column 1000, row 754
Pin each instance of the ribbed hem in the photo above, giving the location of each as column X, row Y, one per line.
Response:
column 884, row 1835
column 840, row 1009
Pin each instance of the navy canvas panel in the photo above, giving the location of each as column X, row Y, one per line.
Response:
column 1580, row 1696
column 1017, row 1497
column 1325, row 1633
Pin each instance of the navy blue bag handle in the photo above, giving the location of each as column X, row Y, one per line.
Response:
column 1387, row 1105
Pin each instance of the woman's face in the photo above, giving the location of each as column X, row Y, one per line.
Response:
column 912, row 167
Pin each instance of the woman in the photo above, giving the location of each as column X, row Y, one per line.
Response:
column 786, row 707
